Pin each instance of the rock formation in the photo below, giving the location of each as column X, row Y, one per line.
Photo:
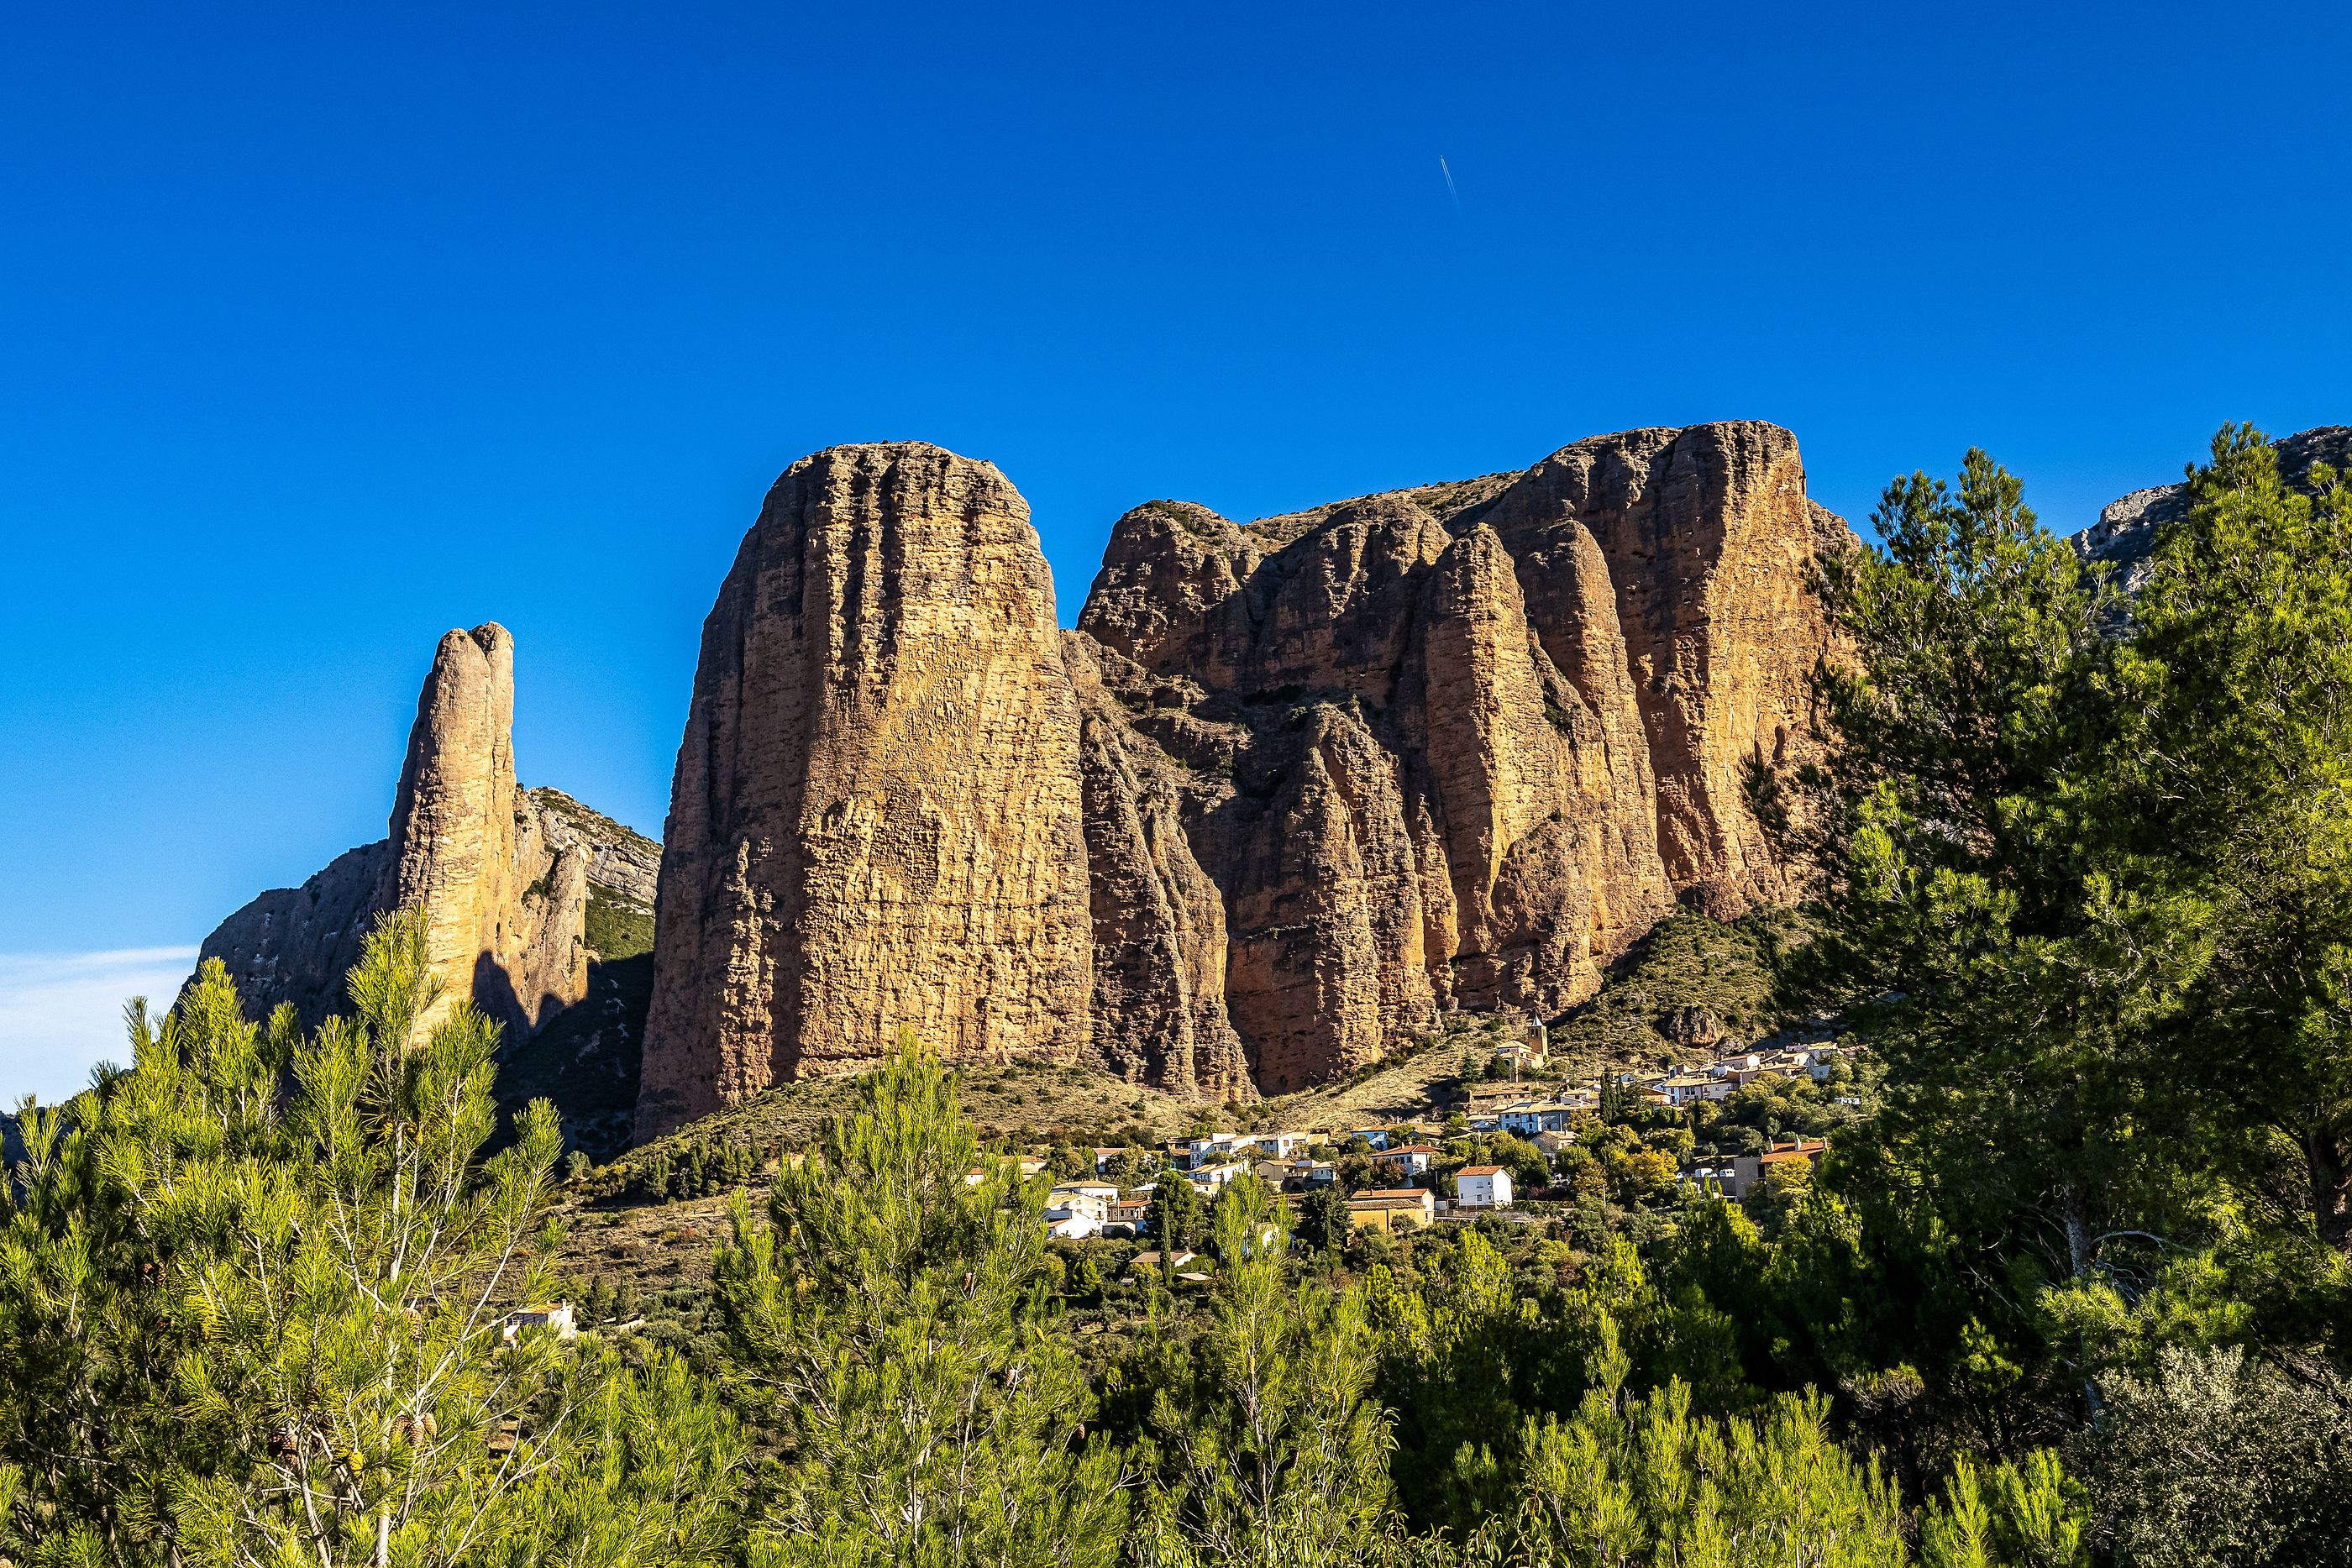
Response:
column 877, row 820
column 2124, row 539
column 1290, row 791
column 624, row 865
column 1706, row 538
column 504, row 899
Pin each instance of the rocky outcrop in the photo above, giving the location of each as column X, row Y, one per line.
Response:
column 623, row 865
column 1706, row 538
column 1290, row 791
column 877, row 821
column 503, row 901
column 1158, row 1007
column 2123, row 541
column 295, row 943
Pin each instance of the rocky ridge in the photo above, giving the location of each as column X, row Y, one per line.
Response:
column 504, row 883
column 2124, row 539
column 624, row 865
column 1291, row 789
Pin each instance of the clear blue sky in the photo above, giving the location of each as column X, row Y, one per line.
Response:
column 326, row 328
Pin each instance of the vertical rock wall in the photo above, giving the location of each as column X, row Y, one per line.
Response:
column 1708, row 539
column 877, row 820
column 1289, row 792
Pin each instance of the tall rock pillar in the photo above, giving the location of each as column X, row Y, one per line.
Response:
column 505, row 910
column 877, row 820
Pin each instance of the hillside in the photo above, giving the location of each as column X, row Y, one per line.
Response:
column 1686, row 963
column 1689, row 966
column 1021, row 1103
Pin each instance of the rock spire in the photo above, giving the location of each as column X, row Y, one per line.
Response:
column 504, row 907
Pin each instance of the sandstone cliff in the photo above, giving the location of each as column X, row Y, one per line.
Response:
column 1705, row 537
column 877, row 820
column 504, row 902
column 1289, row 792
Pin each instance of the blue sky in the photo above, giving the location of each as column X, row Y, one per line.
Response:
column 325, row 329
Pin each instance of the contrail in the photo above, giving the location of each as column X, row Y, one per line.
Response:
column 1449, row 184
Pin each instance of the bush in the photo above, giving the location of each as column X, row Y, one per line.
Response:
column 693, row 1170
column 2212, row 1458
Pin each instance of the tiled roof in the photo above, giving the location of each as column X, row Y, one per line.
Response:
column 1480, row 1170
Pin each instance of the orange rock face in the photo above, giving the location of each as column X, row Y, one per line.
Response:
column 504, row 906
column 1709, row 540
column 1290, row 791
column 877, row 820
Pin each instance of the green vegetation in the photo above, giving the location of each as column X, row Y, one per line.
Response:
column 887, row 1319
column 696, row 1169
column 2071, row 1286
column 1020, row 1102
column 617, row 927
column 1687, row 960
column 2086, row 898
column 242, row 1321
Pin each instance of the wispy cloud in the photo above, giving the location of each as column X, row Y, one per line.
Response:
column 61, row 1013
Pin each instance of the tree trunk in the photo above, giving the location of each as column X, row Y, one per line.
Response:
column 2080, row 1256
column 2077, row 1214
column 2331, row 1193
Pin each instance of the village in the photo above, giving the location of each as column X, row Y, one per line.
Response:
column 1513, row 1146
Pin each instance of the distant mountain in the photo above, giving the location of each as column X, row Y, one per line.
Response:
column 2125, row 535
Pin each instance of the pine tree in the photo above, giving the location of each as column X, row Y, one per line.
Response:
column 2245, row 791
column 292, row 1310
column 890, row 1321
column 1646, row 1481
column 1272, row 1449
column 1452, row 1354
column 1324, row 1221
column 1177, row 1218
column 1983, row 927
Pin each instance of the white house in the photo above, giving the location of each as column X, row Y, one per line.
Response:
column 1406, row 1159
column 1087, row 1197
column 1541, row 1116
column 1209, row 1150
column 1213, row 1179
column 556, row 1315
column 1691, row 1088
column 1377, row 1137
column 1482, row 1187
column 1072, row 1224
column 1282, row 1145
